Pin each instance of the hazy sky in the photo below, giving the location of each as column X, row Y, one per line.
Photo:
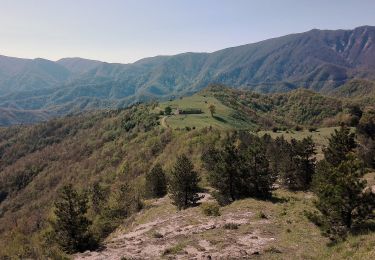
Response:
column 127, row 30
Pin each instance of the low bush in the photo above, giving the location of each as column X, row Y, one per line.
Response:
column 211, row 209
column 262, row 215
column 231, row 226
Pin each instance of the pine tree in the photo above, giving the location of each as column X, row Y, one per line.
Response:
column 72, row 226
column 366, row 125
column 239, row 169
column 366, row 138
column 257, row 176
column 342, row 201
column 223, row 166
column 98, row 197
column 306, row 162
column 183, row 183
column 340, row 144
column 297, row 163
column 156, row 184
column 339, row 186
column 168, row 110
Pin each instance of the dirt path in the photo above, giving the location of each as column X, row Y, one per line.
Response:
column 163, row 122
column 186, row 234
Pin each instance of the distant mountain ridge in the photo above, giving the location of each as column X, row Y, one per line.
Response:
column 320, row 60
column 78, row 65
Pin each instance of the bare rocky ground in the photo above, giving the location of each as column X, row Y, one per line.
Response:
column 161, row 232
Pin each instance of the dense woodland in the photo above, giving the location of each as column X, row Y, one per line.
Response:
column 66, row 184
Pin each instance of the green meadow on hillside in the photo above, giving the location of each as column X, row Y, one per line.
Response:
column 222, row 118
column 240, row 109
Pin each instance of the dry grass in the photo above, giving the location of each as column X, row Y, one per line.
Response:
column 285, row 233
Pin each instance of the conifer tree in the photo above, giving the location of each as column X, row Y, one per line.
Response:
column 239, row 169
column 183, row 183
column 342, row 201
column 72, row 226
column 340, row 144
column 223, row 166
column 366, row 138
column 297, row 163
column 98, row 197
column 257, row 176
column 156, row 184
column 339, row 186
column 168, row 110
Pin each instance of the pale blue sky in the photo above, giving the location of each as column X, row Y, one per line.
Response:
column 127, row 30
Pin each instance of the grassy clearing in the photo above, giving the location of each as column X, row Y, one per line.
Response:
column 222, row 118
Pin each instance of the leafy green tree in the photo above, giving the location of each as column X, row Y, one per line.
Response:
column 72, row 226
column 183, row 183
column 340, row 144
column 342, row 201
column 212, row 109
column 168, row 110
column 156, row 183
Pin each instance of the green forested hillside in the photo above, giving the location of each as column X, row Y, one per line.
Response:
column 296, row 107
column 359, row 90
column 111, row 147
column 116, row 148
column 243, row 109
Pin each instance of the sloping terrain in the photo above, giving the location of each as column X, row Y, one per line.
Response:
column 243, row 109
column 360, row 91
column 161, row 232
column 319, row 60
column 119, row 146
column 78, row 65
column 246, row 229
column 17, row 117
column 26, row 75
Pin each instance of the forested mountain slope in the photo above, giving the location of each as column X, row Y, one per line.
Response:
column 320, row 60
column 116, row 148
